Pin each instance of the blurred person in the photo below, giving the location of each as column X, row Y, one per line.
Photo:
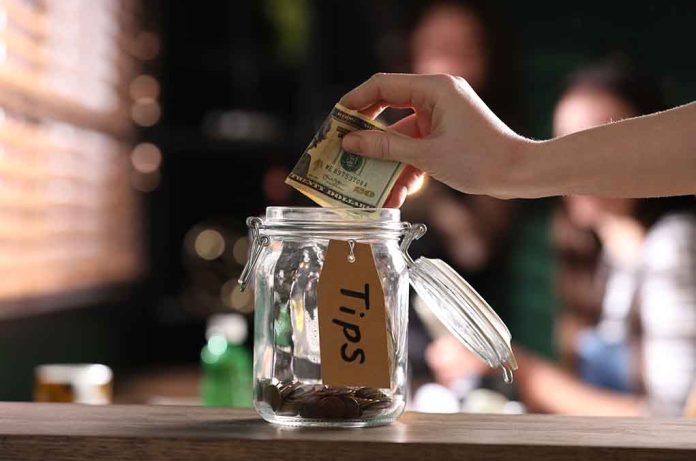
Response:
column 464, row 38
column 578, row 287
column 641, row 355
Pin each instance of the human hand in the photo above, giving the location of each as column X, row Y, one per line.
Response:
column 452, row 135
column 450, row 360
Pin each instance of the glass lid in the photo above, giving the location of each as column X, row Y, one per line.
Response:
column 464, row 312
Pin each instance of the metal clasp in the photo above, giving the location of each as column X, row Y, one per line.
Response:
column 413, row 232
column 258, row 243
column 351, row 251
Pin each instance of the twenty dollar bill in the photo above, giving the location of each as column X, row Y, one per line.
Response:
column 333, row 177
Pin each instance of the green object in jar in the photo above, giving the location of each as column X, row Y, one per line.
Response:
column 282, row 328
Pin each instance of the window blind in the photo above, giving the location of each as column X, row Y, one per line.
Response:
column 68, row 213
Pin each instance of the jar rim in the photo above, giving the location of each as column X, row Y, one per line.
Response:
column 345, row 223
column 344, row 215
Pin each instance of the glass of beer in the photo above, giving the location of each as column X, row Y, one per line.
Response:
column 89, row 383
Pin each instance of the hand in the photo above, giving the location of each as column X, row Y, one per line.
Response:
column 452, row 136
column 449, row 360
column 455, row 138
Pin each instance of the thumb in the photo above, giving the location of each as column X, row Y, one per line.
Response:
column 382, row 145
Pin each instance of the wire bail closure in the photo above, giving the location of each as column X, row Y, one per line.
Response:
column 258, row 243
column 413, row 233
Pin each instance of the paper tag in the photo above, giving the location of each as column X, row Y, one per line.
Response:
column 352, row 318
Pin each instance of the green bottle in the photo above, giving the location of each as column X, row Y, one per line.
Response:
column 226, row 363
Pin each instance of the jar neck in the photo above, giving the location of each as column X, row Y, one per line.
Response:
column 339, row 223
column 261, row 234
column 334, row 230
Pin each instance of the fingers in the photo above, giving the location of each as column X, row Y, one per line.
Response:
column 383, row 145
column 395, row 90
column 386, row 145
column 409, row 176
column 407, row 182
column 397, row 196
column 374, row 110
column 408, row 126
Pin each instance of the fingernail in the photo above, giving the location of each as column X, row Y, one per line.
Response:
column 351, row 142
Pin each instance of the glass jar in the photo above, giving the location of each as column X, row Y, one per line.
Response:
column 288, row 250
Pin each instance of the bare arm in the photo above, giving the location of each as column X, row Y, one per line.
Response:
column 543, row 386
column 653, row 155
column 454, row 137
column 546, row 388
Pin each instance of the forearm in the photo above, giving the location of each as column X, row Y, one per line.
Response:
column 546, row 388
column 648, row 156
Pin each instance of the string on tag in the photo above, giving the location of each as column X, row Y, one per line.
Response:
column 351, row 255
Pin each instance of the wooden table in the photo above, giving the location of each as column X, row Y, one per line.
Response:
column 75, row 432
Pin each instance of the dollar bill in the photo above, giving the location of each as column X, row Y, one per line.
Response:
column 333, row 177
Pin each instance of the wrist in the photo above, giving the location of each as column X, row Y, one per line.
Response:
column 540, row 170
column 518, row 171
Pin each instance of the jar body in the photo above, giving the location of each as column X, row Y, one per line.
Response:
column 288, row 385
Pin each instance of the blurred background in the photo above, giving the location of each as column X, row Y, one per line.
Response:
column 137, row 136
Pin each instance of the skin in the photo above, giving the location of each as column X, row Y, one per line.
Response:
column 452, row 39
column 455, row 138
column 621, row 236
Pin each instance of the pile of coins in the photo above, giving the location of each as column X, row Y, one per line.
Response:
column 322, row 402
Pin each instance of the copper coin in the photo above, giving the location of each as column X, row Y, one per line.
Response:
column 289, row 408
column 351, row 408
column 339, row 391
column 311, row 409
column 369, row 393
column 271, row 396
column 378, row 404
column 286, row 389
column 332, row 407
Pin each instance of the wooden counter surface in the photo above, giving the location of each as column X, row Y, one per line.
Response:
column 75, row 432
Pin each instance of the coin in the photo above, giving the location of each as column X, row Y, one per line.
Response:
column 317, row 401
column 304, row 389
column 332, row 407
column 377, row 405
column 351, row 408
column 287, row 389
column 312, row 409
column 340, row 390
column 271, row 396
column 289, row 408
column 369, row 393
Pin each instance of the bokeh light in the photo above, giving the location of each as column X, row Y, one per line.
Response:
column 240, row 250
column 145, row 112
column 234, row 298
column 209, row 244
column 144, row 86
column 146, row 158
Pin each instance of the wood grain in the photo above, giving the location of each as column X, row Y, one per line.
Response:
column 75, row 432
